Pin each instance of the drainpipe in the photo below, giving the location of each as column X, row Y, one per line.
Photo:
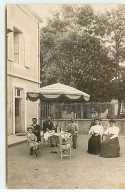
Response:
column 38, row 55
column 39, row 104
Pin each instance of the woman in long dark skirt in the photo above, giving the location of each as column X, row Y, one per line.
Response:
column 94, row 143
column 110, row 147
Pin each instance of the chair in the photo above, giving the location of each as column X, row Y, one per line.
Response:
column 64, row 146
column 42, row 136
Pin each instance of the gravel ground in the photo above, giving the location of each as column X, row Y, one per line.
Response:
column 82, row 171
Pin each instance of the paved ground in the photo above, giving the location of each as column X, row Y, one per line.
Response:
column 14, row 139
column 83, row 171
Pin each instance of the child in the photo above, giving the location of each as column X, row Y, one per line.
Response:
column 32, row 140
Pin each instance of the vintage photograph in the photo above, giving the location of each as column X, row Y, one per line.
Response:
column 65, row 77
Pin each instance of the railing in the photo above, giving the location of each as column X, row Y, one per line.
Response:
column 80, row 110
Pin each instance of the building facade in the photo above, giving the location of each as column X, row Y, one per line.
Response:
column 23, row 66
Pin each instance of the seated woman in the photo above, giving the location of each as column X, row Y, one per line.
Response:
column 110, row 147
column 94, row 143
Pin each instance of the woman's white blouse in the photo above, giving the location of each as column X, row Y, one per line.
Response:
column 113, row 131
column 97, row 129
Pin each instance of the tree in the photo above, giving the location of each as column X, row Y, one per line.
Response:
column 73, row 53
column 114, row 38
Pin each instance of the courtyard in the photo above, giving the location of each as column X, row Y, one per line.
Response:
column 48, row 171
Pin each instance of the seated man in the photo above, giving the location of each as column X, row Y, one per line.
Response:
column 36, row 129
column 49, row 126
column 73, row 129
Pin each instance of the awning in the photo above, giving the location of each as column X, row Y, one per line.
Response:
column 58, row 92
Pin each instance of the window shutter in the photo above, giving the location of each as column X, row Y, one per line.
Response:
column 10, row 45
column 27, row 51
column 22, row 49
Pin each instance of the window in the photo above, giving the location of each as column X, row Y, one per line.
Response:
column 18, row 93
column 19, row 47
column 16, row 47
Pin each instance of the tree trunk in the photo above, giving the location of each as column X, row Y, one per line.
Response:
column 119, row 109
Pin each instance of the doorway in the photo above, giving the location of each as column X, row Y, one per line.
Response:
column 17, row 115
column 19, row 122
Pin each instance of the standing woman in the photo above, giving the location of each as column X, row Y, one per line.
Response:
column 94, row 143
column 110, row 147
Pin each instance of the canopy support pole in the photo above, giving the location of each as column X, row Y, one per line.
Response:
column 57, row 112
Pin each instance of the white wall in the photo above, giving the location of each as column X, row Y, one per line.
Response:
column 24, row 74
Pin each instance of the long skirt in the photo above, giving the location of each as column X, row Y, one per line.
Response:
column 110, row 148
column 94, row 145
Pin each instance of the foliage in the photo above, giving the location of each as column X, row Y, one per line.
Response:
column 83, row 49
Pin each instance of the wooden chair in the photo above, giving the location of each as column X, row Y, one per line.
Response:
column 64, row 146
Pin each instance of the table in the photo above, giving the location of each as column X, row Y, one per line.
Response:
column 56, row 136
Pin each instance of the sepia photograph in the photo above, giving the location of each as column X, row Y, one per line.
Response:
column 65, row 96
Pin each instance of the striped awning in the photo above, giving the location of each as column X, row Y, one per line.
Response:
column 58, row 92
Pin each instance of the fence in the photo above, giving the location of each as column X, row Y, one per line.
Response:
column 80, row 110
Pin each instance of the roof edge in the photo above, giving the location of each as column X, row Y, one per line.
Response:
column 26, row 8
